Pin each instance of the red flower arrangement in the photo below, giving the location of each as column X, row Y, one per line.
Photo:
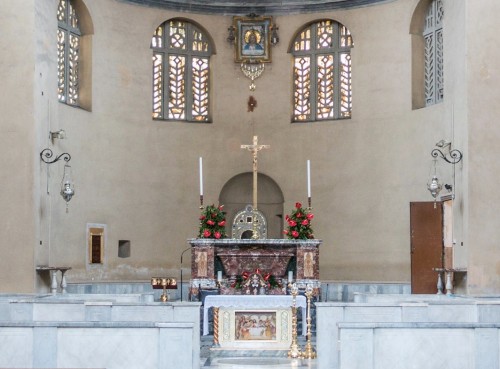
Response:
column 299, row 224
column 268, row 279
column 212, row 222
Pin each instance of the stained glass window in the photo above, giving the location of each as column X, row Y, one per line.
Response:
column 68, row 53
column 322, row 72
column 181, row 61
column 433, row 53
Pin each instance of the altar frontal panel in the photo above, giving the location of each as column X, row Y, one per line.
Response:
column 268, row 328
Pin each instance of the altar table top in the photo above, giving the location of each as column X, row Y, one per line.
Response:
column 252, row 301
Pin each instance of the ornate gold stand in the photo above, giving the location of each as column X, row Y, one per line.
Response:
column 309, row 352
column 165, row 283
column 294, row 351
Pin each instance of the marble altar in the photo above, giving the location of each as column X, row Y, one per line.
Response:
column 233, row 257
column 252, row 302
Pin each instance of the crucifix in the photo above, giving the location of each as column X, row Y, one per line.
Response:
column 254, row 149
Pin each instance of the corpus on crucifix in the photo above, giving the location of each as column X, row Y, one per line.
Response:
column 254, row 149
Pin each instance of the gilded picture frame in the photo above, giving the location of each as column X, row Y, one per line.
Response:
column 252, row 39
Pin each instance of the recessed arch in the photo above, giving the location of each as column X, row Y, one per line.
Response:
column 197, row 25
column 86, row 24
column 237, row 192
column 418, row 17
column 306, row 25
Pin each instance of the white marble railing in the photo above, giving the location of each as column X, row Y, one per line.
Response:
column 112, row 345
column 103, row 331
column 330, row 291
column 419, row 345
column 409, row 311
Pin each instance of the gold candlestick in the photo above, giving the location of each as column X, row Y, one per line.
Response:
column 294, row 351
column 164, row 283
column 309, row 352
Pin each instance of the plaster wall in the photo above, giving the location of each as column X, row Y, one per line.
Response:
column 139, row 177
column 17, row 137
column 483, row 77
column 456, row 120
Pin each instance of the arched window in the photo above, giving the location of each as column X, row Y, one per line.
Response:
column 427, row 53
column 181, row 66
column 73, row 54
column 322, row 72
column 433, row 53
column 68, row 52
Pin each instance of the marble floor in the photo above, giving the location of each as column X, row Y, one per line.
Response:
column 250, row 360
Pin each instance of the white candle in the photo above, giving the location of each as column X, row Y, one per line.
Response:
column 290, row 276
column 219, row 275
column 308, row 178
column 201, row 176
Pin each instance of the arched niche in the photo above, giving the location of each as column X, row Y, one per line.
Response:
column 237, row 193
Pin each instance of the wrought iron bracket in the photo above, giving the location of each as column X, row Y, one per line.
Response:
column 47, row 154
column 455, row 156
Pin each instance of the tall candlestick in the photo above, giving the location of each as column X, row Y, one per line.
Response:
column 201, row 176
column 308, row 178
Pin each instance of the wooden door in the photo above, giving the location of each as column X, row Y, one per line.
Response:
column 426, row 223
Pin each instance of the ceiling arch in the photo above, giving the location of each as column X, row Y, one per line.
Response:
column 260, row 7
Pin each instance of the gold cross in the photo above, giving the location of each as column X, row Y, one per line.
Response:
column 254, row 149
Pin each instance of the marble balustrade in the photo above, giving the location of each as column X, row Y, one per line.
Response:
column 390, row 329
column 330, row 291
column 419, row 345
column 98, row 331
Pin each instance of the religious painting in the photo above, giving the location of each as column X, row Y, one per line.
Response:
column 309, row 264
column 201, row 262
column 255, row 325
column 252, row 39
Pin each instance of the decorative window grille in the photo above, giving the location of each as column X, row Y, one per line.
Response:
column 181, row 66
column 322, row 72
column 68, row 53
column 433, row 53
